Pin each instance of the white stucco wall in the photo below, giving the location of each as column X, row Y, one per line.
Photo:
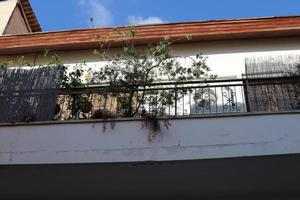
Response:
column 185, row 139
column 6, row 9
column 225, row 58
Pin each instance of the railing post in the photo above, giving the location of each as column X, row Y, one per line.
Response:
column 246, row 91
column 176, row 98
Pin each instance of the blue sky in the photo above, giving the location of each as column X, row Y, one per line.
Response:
column 75, row 14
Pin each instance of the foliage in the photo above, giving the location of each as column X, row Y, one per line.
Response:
column 73, row 78
column 152, row 122
column 297, row 66
column 134, row 69
column 130, row 75
column 19, row 61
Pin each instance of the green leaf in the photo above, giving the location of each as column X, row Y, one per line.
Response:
column 45, row 52
column 189, row 37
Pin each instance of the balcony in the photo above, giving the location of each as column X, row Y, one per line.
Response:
column 218, row 132
column 214, row 115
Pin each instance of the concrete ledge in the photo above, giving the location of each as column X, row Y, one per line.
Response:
column 187, row 138
column 207, row 116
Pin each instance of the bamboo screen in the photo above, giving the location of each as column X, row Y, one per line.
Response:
column 28, row 94
column 281, row 92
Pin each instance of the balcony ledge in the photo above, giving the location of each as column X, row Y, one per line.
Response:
column 186, row 117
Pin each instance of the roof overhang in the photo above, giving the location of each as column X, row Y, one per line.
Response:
column 30, row 16
column 216, row 30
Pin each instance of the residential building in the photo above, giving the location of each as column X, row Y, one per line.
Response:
column 233, row 137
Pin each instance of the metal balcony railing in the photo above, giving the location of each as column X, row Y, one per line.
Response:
column 181, row 98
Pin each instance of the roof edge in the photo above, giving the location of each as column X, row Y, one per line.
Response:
column 211, row 30
column 234, row 20
column 30, row 15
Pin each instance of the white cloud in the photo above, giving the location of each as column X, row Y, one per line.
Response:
column 136, row 20
column 82, row 2
column 95, row 9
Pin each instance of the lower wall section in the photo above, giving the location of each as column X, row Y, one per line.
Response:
column 248, row 178
column 127, row 141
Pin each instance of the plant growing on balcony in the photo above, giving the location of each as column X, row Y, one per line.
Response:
column 133, row 69
column 130, row 73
